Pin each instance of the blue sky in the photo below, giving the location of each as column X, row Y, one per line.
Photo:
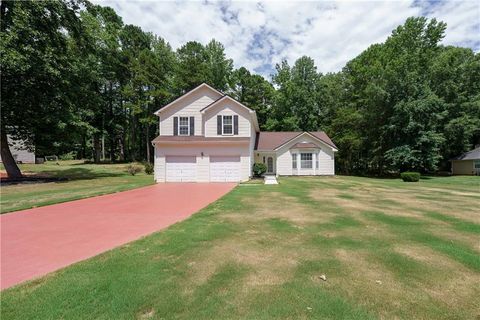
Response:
column 257, row 35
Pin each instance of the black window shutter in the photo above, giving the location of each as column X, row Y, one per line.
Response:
column 219, row 125
column 235, row 124
column 192, row 126
column 175, row 126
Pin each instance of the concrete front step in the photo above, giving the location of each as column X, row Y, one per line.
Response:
column 270, row 180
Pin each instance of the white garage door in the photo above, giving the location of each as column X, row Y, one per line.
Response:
column 181, row 168
column 224, row 169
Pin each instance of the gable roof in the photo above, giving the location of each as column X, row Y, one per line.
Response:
column 270, row 141
column 225, row 97
column 253, row 114
column 470, row 155
column 203, row 85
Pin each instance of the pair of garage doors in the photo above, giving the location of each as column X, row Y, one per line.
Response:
column 185, row 169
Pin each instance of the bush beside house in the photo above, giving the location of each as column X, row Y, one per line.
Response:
column 410, row 176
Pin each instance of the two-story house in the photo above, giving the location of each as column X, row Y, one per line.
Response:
column 207, row 136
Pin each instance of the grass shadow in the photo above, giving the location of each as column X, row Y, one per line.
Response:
column 81, row 174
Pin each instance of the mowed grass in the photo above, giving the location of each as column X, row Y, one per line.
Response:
column 389, row 250
column 83, row 181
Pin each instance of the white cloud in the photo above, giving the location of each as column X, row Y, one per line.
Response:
column 259, row 35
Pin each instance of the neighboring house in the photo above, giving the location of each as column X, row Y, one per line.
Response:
column 19, row 152
column 467, row 163
column 207, row 136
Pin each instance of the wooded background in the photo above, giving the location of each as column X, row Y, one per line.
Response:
column 73, row 74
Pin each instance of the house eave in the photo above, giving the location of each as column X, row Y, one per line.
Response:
column 310, row 135
column 186, row 94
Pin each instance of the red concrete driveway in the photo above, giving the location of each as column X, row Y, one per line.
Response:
column 37, row 241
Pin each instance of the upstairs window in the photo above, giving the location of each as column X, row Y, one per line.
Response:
column 306, row 160
column 183, row 126
column 227, row 125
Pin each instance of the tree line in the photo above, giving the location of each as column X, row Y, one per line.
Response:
column 77, row 80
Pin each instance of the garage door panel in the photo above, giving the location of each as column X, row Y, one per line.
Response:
column 181, row 168
column 181, row 159
column 224, row 158
column 224, row 168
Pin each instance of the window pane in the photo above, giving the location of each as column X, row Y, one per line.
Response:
column 183, row 127
column 294, row 160
column 306, row 160
column 183, row 121
column 227, row 124
column 306, row 156
column 227, row 119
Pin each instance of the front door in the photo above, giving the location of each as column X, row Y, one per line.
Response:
column 269, row 165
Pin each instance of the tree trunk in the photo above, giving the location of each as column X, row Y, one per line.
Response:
column 122, row 149
column 112, row 148
column 83, row 152
column 111, row 125
column 133, row 150
column 97, row 148
column 103, row 147
column 13, row 171
column 147, row 141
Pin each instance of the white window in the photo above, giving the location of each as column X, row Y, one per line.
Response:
column 294, row 161
column 227, row 125
column 183, row 126
column 477, row 164
column 316, row 161
column 306, row 160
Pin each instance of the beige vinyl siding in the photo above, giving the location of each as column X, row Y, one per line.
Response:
column 203, row 162
column 284, row 163
column 21, row 155
column 245, row 167
column 227, row 108
column 159, row 166
column 326, row 162
column 19, row 152
column 326, row 156
column 203, row 168
column 188, row 107
column 463, row 167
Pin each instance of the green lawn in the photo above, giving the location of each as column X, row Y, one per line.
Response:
column 84, row 180
column 389, row 250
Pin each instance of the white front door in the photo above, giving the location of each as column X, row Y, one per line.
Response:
column 224, row 169
column 181, row 168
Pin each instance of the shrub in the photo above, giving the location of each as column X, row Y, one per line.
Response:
column 148, row 168
column 133, row 169
column 68, row 156
column 259, row 169
column 410, row 176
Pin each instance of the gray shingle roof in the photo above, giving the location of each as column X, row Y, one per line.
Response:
column 269, row 141
column 470, row 155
